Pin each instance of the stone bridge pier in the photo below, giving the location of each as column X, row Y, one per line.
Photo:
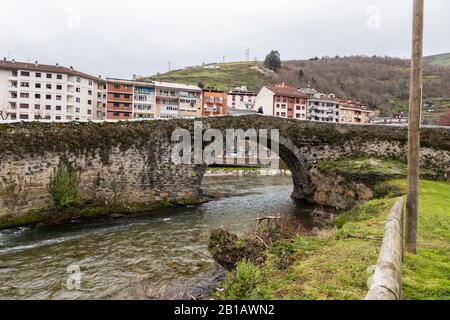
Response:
column 131, row 162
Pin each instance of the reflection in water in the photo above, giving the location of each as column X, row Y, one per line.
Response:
column 114, row 254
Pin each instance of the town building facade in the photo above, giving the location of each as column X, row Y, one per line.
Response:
column 354, row 113
column 323, row 108
column 175, row 100
column 215, row 103
column 283, row 101
column 241, row 101
column 33, row 91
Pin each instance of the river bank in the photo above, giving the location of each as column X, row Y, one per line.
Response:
column 161, row 250
column 86, row 211
column 337, row 262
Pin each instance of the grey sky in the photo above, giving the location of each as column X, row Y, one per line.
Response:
column 118, row 38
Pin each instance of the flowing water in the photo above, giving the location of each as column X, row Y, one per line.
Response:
column 112, row 255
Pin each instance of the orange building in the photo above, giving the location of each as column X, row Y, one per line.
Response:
column 354, row 112
column 214, row 103
column 120, row 100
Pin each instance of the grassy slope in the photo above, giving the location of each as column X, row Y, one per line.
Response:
column 377, row 81
column 439, row 59
column 229, row 75
column 335, row 265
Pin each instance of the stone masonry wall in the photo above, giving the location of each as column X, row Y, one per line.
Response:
column 131, row 162
column 129, row 176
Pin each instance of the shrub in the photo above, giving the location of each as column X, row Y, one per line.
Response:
column 63, row 185
column 247, row 283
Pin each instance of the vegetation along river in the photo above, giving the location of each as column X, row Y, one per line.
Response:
column 114, row 255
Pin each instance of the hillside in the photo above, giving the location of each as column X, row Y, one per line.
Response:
column 380, row 82
column 221, row 76
column 439, row 60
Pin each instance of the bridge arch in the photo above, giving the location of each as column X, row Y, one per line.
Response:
column 132, row 161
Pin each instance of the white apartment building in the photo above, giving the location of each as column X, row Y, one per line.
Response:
column 33, row 91
column 175, row 100
column 323, row 108
column 284, row 101
column 241, row 100
column 144, row 101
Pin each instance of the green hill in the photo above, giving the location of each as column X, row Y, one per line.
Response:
column 379, row 82
column 439, row 60
column 221, row 76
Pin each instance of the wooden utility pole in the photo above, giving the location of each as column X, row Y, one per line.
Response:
column 415, row 107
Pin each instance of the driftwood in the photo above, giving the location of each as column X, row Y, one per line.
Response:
column 387, row 279
column 269, row 220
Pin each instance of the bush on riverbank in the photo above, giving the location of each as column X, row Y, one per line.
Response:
column 63, row 185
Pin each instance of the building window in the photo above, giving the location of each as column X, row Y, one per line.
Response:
column 59, row 87
column 89, row 102
column 24, row 117
column 59, row 98
column 58, row 108
column 48, row 86
column 59, row 76
column 78, row 100
column 116, row 114
column 116, row 105
column 37, row 106
column 90, row 82
column 24, row 106
column 117, row 95
column 58, row 118
column 37, row 117
column 14, row 73
column 37, row 85
column 49, row 75
column 47, row 107
column 48, row 97
column 37, row 96
column 24, row 95
column 78, row 90
column 77, row 110
column 89, row 112
column 25, row 84
column 117, row 86
column 90, row 92
column 78, row 80
column 24, row 73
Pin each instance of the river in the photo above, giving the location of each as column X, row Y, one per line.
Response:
column 113, row 255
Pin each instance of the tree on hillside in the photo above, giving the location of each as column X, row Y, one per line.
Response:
column 301, row 74
column 273, row 61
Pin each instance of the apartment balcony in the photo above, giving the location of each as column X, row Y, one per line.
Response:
column 163, row 95
column 173, row 110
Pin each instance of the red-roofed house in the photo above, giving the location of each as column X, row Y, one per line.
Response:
column 283, row 100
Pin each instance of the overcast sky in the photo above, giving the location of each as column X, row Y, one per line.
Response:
column 118, row 38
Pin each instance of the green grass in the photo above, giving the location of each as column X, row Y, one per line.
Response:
column 229, row 76
column 371, row 171
column 336, row 264
column 427, row 274
column 439, row 60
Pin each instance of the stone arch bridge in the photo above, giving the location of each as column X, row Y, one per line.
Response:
column 131, row 161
